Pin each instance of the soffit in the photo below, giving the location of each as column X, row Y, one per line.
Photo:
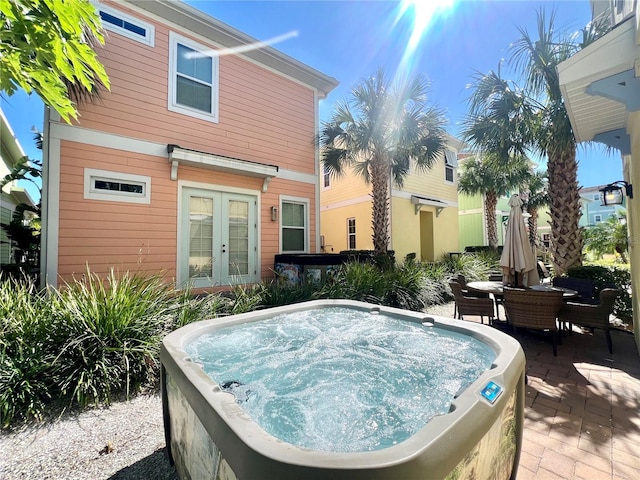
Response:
column 614, row 53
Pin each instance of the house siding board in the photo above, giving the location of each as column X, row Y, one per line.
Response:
column 257, row 107
column 264, row 117
column 147, row 234
column 5, row 246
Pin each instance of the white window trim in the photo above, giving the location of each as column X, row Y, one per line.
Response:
column 596, row 197
column 324, row 175
column 452, row 165
column 148, row 39
column 173, row 106
column 597, row 218
column 91, row 193
column 302, row 200
column 349, row 234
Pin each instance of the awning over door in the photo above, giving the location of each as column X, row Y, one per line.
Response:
column 418, row 201
column 185, row 156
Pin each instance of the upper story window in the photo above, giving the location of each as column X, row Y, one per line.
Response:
column 295, row 225
column 597, row 218
column 193, row 78
column 326, row 179
column 450, row 164
column 126, row 25
column 596, row 196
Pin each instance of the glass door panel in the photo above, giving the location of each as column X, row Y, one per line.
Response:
column 201, row 237
column 238, row 238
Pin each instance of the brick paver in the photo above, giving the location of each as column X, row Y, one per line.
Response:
column 582, row 408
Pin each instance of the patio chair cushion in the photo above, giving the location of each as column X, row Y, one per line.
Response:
column 586, row 288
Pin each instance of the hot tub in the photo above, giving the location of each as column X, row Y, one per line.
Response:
column 211, row 436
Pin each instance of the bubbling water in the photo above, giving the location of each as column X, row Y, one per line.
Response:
column 338, row 379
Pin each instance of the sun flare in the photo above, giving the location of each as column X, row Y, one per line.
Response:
column 422, row 12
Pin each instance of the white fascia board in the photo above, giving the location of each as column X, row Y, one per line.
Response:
column 217, row 162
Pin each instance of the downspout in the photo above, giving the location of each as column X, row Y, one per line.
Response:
column 44, row 201
column 50, row 202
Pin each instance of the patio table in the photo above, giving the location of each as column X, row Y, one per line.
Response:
column 495, row 288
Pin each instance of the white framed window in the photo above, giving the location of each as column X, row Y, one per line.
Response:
column 193, row 78
column 596, row 196
column 116, row 186
column 597, row 218
column 126, row 25
column 294, row 224
column 450, row 164
column 351, row 233
column 326, row 178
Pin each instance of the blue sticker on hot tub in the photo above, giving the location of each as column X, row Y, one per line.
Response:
column 491, row 391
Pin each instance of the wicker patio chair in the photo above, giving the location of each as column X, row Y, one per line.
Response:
column 591, row 316
column 461, row 279
column 534, row 310
column 470, row 305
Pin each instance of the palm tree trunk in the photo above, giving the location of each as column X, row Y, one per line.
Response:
column 490, row 202
column 380, row 195
column 566, row 244
column 533, row 225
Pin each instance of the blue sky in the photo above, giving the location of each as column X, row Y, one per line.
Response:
column 349, row 40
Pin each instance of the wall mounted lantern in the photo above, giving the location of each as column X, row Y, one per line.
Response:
column 274, row 214
column 612, row 193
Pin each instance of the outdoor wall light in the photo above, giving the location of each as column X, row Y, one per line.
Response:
column 612, row 193
column 274, row 214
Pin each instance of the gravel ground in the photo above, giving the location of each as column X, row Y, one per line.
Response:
column 74, row 447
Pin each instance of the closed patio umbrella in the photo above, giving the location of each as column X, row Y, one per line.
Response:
column 518, row 261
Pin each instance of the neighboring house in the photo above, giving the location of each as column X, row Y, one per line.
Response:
column 601, row 89
column 199, row 163
column 11, row 195
column 423, row 214
column 472, row 220
column 594, row 212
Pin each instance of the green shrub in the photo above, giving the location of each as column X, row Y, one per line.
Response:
column 27, row 379
column 276, row 293
column 602, row 276
column 112, row 329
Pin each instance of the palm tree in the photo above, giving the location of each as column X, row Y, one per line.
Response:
column 501, row 119
column 378, row 132
column 609, row 236
column 488, row 175
column 537, row 60
column 536, row 198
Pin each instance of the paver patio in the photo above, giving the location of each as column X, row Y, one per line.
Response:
column 582, row 408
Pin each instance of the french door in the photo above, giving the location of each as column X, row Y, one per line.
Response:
column 218, row 238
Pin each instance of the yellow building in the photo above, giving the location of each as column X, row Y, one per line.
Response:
column 423, row 213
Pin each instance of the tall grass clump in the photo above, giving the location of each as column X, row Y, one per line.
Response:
column 188, row 308
column 112, row 328
column 27, row 379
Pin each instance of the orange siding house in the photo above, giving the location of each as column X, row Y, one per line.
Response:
column 198, row 163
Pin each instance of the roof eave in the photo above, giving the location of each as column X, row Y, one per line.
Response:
column 209, row 27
